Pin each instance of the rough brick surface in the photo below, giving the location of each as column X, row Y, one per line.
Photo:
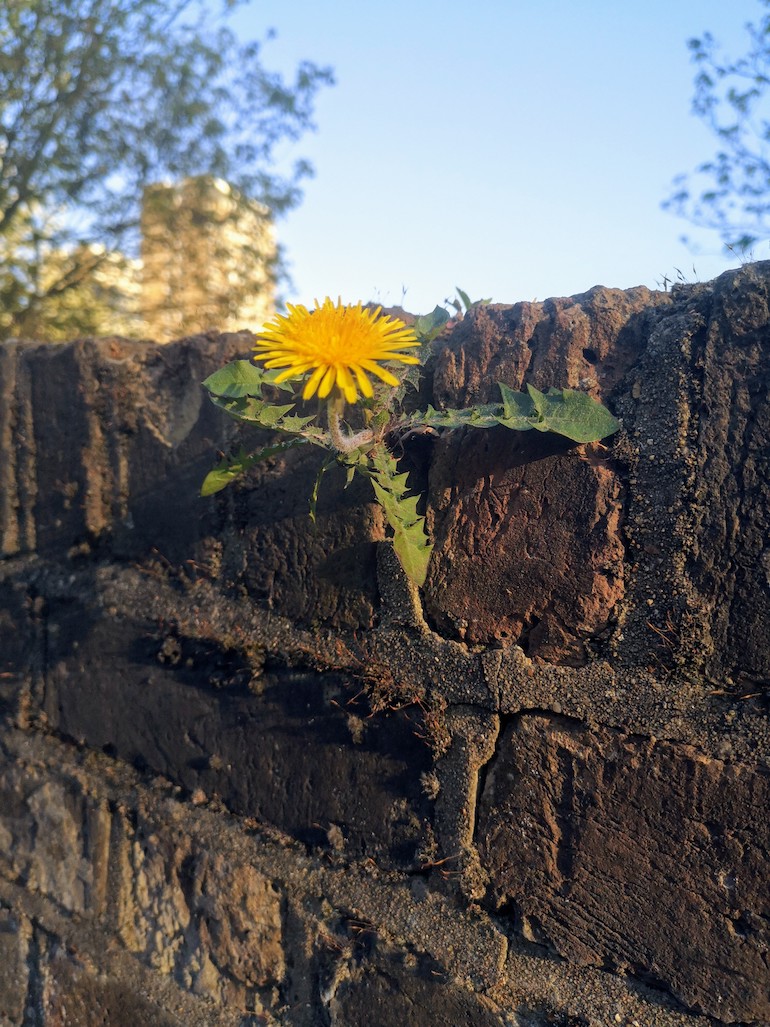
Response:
column 408, row 996
column 528, row 543
column 528, row 532
column 626, row 852
column 296, row 749
column 103, row 439
column 249, row 777
column 15, row 936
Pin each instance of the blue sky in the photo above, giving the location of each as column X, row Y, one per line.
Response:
column 517, row 149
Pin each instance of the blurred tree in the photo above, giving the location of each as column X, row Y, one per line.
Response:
column 731, row 192
column 101, row 98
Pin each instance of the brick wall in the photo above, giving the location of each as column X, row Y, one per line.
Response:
column 247, row 777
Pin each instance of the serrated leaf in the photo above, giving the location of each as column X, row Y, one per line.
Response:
column 410, row 540
column 388, row 502
column 285, row 386
column 573, row 414
column 563, row 411
column 383, row 460
column 238, row 378
column 413, row 551
column 519, row 410
column 266, row 415
column 229, row 469
column 295, row 423
column 407, row 508
column 477, row 417
column 270, row 415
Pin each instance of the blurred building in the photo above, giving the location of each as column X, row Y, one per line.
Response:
column 107, row 301
column 208, row 257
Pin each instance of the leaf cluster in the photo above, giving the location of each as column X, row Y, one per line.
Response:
column 731, row 191
column 240, row 387
column 237, row 388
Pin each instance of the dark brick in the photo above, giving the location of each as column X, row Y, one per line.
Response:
column 14, row 938
column 312, row 573
column 107, row 441
column 19, row 651
column 399, row 996
column 642, row 856
column 296, row 749
column 73, row 996
column 527, row 543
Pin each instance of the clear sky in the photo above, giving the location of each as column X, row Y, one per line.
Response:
column 517, row 148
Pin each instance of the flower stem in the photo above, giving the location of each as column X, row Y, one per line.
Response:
column 341, row 441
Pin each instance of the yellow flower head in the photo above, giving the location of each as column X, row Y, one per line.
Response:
column 338, row 343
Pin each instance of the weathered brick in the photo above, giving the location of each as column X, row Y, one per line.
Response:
column 74, row 994
column 14, row 971
column 644, row 858
column 296, row 749
column 528, row 546
column 640, row 855
column 53, row 837
column 104, row 440
column 20, row 651
column 402, row 995
column 527, row 543
column 213, row 923
column 322, row 573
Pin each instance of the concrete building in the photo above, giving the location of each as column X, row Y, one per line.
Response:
column 208, row 256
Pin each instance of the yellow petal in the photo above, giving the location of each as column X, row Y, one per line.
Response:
column 312, row 382
column 346, row 383
column 386, row 376
column 328, row 381
column 363, row 382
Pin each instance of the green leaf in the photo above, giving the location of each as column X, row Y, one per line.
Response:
column 563, row 411
column 252, row 410
column 573, row 414
column 464, row 297
column 285, row 386
column 519, row 411
column 428, row 326
column 413, row 551
column 329, row 462
column 476, row 417
column 295, row 423
column 410, row 540
column 229, row 469
column 236, row 379
column 270, row 415
column 275, row 417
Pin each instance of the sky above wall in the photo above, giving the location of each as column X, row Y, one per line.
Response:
column 518, row 149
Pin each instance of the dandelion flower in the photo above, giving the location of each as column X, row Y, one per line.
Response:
column 340, row 345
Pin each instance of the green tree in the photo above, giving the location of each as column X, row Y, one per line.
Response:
column 731, row 192
column 100, row 99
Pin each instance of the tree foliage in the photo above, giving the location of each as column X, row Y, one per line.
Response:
column 731, row 192
column 101, row 98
